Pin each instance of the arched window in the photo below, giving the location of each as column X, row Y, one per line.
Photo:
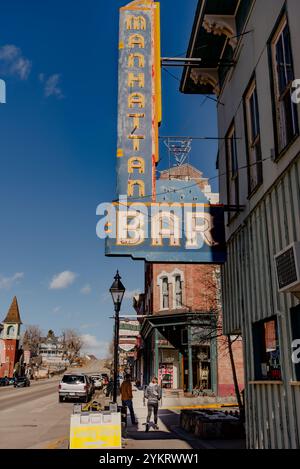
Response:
column 178, row 291
column 10, row 331
column 165, row 293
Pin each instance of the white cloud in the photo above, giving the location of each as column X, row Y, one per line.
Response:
column 9, row 282
column 62, row 280
column 86, row 290
column 12, row 62
column 52, row 86
column 93, row 346
column 57, row 309
column 129, row 294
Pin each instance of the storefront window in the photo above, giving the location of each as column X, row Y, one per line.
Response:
column 267, row 350
column 295, row 323
column 166, row 375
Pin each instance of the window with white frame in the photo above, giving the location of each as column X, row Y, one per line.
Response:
column 232, row 170
column 253, row 138
column 165, row 293
column 178, row 291
column 283, row 77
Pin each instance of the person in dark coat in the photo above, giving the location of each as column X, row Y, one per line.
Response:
column 126, row 395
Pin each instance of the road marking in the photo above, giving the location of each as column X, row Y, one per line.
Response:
column 55, row 444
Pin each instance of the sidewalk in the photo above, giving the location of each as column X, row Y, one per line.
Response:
column 169, row 435
column 164, row 438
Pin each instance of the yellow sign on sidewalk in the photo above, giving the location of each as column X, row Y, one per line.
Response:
column 95, row 431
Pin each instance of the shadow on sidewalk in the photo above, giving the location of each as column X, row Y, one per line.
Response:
column 165, row 417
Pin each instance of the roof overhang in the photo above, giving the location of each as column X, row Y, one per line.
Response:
column 173, row 323
column 214, row 38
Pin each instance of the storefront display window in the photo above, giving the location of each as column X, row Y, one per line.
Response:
column 267, row 350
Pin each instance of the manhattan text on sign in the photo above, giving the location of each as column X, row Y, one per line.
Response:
column 139, row 100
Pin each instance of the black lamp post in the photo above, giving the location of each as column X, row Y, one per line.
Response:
column 117, row 291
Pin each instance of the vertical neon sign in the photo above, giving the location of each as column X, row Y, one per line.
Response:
column 139, row 100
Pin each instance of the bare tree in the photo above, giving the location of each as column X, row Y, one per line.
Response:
column 215, row 329
column 72, row 344
column 32, row 339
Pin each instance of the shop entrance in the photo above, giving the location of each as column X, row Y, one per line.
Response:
column 201, row 369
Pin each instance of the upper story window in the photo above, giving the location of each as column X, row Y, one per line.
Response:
column 286, row 127
column 253, row 138
column 232, row 170
column 10, row 331
column 165, row 293
column 178, row 291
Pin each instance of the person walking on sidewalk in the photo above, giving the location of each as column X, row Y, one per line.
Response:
column 126, row 396
column 153, row 394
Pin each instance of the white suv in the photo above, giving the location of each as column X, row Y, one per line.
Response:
column 75, row 386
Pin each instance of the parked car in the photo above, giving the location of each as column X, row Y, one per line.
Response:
column 75, row 386
column 4, row 382
column 97, row 381
column 22, row 382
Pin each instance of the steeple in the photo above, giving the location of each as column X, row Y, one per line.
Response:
column 13, row 315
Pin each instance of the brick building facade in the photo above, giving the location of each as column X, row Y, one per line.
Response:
column 178, row 292
column 182, row 336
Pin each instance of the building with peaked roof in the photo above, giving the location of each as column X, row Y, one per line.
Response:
column 9, row 340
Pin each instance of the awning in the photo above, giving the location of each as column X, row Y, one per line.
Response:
column 173, row 327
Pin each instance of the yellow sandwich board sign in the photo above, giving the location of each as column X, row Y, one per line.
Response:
column 95, row 431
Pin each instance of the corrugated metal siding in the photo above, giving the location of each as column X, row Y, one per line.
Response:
column 250, row 294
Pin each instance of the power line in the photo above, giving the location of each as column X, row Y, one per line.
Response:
column 199, row 138
column 197, row 184
column 179, row 80
column 208, row 45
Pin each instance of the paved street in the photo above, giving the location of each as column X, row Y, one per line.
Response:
column 32, row 416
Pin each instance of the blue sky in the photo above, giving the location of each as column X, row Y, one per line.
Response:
column 57, row 155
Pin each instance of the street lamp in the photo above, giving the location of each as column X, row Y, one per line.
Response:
column 117, row 291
